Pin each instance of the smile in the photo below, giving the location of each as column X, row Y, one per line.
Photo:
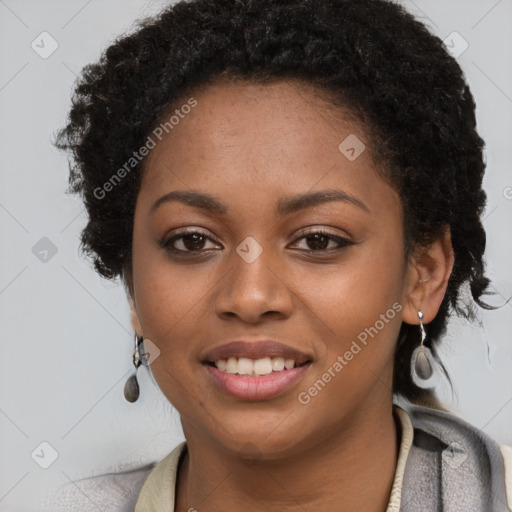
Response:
column 255, row 367
column 255, row 370
column 243, row 378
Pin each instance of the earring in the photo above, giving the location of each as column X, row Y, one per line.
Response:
column 131, row 387
column 422, row 362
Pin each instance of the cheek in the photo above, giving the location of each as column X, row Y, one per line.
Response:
column 170, row 305
column 360, row 300
column 167, row 298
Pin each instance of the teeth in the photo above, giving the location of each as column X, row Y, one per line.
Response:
column 246, row 366
column 277, row 364
column 231, row 365
column 262, row 366
column 289, row 364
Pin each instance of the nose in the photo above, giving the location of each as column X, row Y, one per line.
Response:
column 252, row 290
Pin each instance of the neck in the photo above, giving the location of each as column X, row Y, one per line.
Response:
column 352, row 470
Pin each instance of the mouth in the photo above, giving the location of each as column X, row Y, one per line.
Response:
column 255, row 370
column 243, row 366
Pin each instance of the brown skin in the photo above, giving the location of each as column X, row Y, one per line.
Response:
column 249, row 146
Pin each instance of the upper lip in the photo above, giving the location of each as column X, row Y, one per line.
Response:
column 256, row 349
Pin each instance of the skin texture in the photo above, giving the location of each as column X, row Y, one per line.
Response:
column 250, row 146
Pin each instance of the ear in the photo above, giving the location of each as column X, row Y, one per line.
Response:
column 128, row 288
column 429, row 269
column 134, row 317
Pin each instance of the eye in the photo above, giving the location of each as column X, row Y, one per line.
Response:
column 195, row 241
column 187, row 241
column 320, row 240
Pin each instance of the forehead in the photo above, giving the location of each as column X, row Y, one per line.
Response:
column 244, row 138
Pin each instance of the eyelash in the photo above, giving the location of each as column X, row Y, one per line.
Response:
column 167, row 243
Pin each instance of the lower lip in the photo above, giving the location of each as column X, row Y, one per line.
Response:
column 256, row 388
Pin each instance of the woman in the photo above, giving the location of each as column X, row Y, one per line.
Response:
column 291, row 192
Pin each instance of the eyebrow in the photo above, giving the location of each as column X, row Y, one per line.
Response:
column 285, row 206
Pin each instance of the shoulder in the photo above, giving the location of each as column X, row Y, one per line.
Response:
column 463, row 449
column 113, row 492
column 158, row 492
column 506, row 451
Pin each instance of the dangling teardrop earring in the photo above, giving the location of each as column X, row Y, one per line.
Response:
column 422, row 362
column 131, row 387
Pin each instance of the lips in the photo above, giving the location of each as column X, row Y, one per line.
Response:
column 241, row 368
column 258, row 349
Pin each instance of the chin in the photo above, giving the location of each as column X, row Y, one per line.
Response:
column 259, row 437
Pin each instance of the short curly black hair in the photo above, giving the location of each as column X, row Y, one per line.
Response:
column 371, row 56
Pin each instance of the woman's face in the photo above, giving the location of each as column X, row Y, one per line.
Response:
column 253, row 266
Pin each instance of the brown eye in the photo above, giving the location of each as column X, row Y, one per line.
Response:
column 317, row 241
column 187, row 242
column 193, row 242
